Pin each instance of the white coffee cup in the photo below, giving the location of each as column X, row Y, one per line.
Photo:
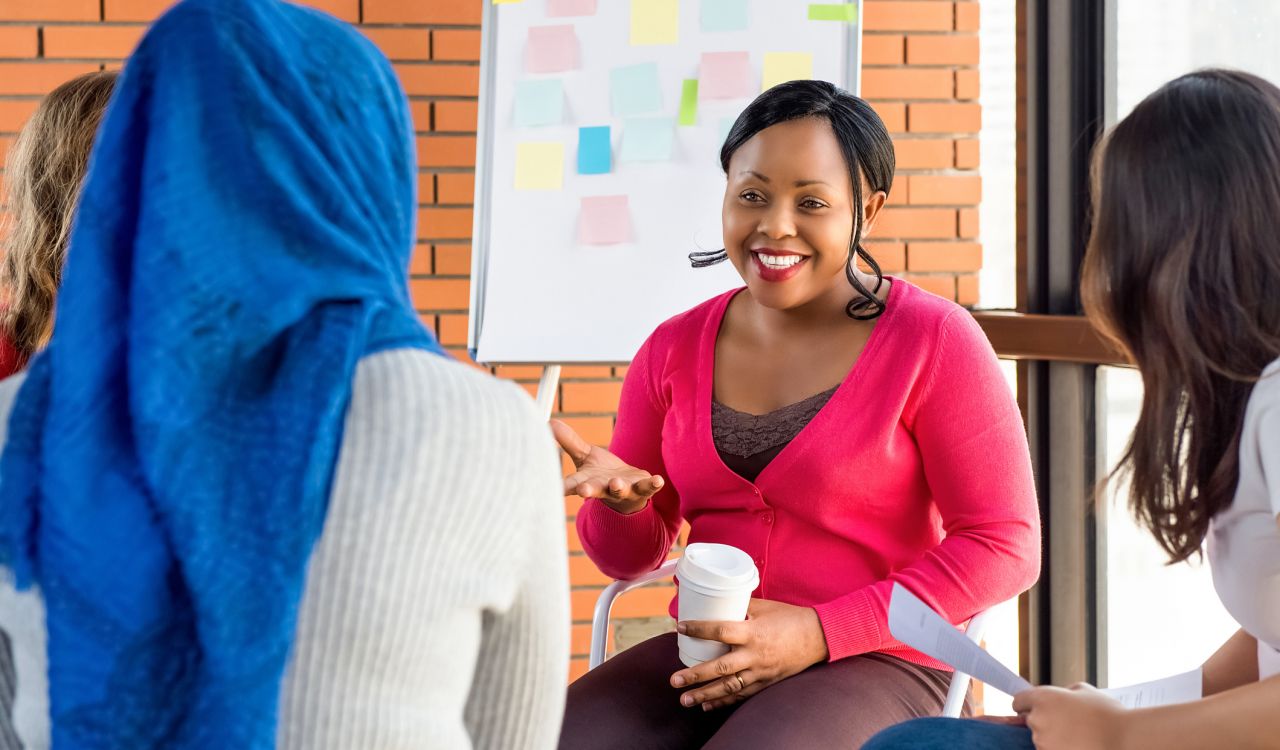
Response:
column 716, row 581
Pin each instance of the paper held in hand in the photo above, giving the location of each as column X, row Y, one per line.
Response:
column 914, row 623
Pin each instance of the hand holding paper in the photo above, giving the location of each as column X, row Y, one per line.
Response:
column 914, row 623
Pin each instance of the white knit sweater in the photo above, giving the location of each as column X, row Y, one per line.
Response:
column 435, row 613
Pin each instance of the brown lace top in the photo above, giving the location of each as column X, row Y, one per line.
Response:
column 748, row 442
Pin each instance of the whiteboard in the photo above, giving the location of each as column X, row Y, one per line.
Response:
column 539, row 294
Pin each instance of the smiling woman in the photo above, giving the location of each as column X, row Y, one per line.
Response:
column 840, row 136
column 845, row 429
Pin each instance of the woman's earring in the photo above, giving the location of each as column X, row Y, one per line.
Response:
column 705, row 258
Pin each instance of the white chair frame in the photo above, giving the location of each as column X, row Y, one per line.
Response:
column 604, row 607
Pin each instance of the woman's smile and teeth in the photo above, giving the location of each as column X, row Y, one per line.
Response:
column 777, row 265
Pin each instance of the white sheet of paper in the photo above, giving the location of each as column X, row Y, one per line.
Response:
column 1180, row 688
column 914, row 623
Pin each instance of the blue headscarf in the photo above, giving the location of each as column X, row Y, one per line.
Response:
column 242, row 241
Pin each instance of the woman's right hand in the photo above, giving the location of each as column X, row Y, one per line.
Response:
column 602, row 475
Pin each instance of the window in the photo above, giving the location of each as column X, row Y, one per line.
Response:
column 998, row 68
column 1155, row 42
column 1107, row 608
column 1159, row 619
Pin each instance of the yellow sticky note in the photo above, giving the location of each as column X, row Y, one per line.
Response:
column 780, row 67
column 655, row 22
column 539, row 166
column 506, row 2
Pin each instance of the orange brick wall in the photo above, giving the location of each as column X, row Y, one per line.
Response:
column 919, row 70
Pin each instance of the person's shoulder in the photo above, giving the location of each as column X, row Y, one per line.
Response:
column 924, row 325
column 1267, row 389
column 440, row 393
column 923, row 309
column 437, row 422
column 1262, row 413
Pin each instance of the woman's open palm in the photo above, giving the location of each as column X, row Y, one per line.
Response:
column 602, row 475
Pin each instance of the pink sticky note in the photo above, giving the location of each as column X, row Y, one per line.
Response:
column 606, row 220
column 724, row 75
column 552, row 49
column 562, row 8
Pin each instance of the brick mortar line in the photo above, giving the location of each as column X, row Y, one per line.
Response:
column 88, row 23
column 428, row 26
column 922, row 66
column 940, row 100
column 902, row 100
column 94, row 23
column 936, row 172
column 63, row 60
column 939, row 33
column 568, row 381
column 443, row 63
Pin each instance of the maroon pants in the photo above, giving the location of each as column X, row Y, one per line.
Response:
column 628, row 702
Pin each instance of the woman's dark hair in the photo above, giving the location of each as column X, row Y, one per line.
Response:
column 868, row 152
column 1183, row 273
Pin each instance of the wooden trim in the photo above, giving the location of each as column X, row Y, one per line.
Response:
column 1053, row 338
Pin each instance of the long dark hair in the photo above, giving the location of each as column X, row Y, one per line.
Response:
column 868, row 152
column 1183, row 272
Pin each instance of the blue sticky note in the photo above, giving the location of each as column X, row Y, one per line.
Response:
column 724, row 15
column 634, row 90
column 648, row 138
column 726, row 124
column 539, row 102
column 595, row 154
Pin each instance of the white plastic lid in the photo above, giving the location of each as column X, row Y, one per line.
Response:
column 717, row 566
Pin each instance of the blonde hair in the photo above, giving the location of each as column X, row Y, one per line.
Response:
column 44, row 173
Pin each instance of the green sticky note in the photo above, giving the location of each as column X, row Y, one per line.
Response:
column 847, row 12
column 539, row 166
column 780, row 67
column 689, row 102
column 654, row 22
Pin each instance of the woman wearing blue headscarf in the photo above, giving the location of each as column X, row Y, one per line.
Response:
column 255, row 504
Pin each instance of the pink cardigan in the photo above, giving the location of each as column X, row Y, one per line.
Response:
column 916, row 471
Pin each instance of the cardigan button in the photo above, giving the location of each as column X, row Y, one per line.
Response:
column 767, row 518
